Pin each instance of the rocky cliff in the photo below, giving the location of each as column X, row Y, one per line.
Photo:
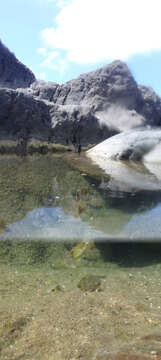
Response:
column 13, row 74
column 84, row 110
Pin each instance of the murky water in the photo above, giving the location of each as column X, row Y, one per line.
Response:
column 47, row 205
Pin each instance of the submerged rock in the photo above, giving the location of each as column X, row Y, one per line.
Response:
column 90, row 283
column 57, row 288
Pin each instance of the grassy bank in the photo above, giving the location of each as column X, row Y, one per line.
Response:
column 35, row 146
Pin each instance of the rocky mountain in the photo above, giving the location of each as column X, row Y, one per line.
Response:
column 13, row 74
column 85, row 110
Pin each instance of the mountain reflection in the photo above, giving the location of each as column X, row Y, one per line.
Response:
column 62, row 198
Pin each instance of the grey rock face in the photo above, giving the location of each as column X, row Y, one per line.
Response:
column 43, row 90
column 100, row 103
column 150, row 105
column 110, row 94
column 76, row 124
column 13, row 73
column 112, row 83
column 85, row 110
column 20, row 111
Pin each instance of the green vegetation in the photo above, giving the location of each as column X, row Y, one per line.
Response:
column 32, row 147
column 3, row 225
column 53, row 254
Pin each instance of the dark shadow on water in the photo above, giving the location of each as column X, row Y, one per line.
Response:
column 130, row 202
column 35, row 252
column 127, row 254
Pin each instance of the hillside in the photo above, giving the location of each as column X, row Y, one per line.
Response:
column 86, row 110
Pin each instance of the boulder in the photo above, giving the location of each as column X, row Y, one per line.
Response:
column 142, row 147
column 138, row 144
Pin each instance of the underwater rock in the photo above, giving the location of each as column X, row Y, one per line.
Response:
column 90, row 283
column 57, row 288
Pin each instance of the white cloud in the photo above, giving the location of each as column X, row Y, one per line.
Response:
column 41, row 76
column 91, row 31
column 46, row 1
column 42, row 51
column 50, row 56
column 53, row 60
column 58, row 3
column 62, row 3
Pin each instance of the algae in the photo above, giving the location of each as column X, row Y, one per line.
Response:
column 81, row 248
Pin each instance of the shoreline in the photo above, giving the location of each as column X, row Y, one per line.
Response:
column 36, row 146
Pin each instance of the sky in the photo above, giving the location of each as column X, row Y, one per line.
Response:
column 61, row 39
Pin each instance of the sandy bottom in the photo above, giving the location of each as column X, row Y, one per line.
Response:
column 45, row 316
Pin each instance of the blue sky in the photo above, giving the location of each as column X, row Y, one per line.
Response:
column 60, row 39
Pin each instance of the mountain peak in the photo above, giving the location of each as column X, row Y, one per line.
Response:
column 13, row 74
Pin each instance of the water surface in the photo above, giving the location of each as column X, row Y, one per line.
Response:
column 66, row 197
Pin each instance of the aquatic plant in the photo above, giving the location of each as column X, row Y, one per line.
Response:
column 82, row 247
column 3, row 225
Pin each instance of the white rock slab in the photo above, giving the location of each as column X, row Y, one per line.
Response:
column 139, row 144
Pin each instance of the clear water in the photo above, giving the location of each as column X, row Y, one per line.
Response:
column 47, row 205
column 69, row 198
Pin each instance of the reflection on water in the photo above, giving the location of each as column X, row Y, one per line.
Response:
column 67, row 197
column 52, row 224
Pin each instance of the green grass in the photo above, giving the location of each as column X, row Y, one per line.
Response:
column 34, row 146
